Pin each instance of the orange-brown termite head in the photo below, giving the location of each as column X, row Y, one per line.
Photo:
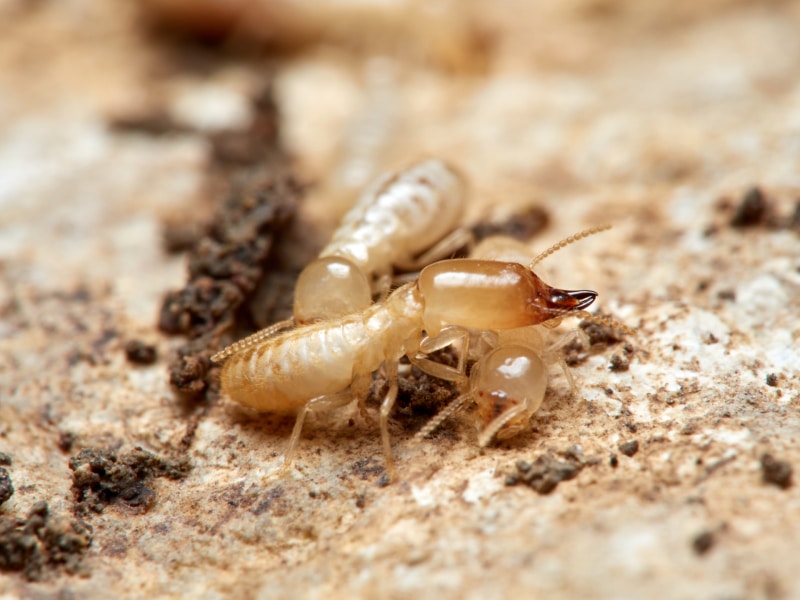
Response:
column 492, row 295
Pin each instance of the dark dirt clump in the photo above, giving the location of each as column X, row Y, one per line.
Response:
column 101, row 477
column 140, row 353
column 777, row 472
column 752, row 210
column 599, row 337
column 520, row 226
column 703, row 542
column 545, row 473
column 629, row 448
column 5, row 459
column 229, row 261
column 618, row 363
column 6, row 485
column 420, row 396
column 42, row 543
column 367, row 468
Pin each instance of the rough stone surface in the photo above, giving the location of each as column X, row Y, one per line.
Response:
column 677, row 122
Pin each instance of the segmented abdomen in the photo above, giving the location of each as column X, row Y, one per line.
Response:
column 401, row 215
column 284, row 372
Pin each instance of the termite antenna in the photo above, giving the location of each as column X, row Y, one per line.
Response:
column 566, row 242
column 251, row 340
column 443, row 414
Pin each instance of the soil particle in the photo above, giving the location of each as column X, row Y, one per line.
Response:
column 618, row 363
column 752, row 209
column 420, row 396
column 5, row 459
column 6, row 485
column 545, row 473
column 101, row 477
column 181, row 236
column 140, row 353
column 154, row 121
column 772, row 380
column 367, row 468
column 629, row 448
column 599, row 337
column 66, row 440
column 703, row 542
column 361, row 499
column 777, row 472
column 43, row 543
column 521, row 226
column 600, row 334
column 613, row 461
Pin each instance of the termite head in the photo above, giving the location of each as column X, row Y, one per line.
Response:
column 483, row 294
column 509, row 385
column 328, row 287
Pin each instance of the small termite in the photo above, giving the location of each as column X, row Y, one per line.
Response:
column 328, row 364
column 507, row 383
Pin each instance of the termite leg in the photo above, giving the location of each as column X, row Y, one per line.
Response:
column 554, row 352
column 318, row 404
column 360, row 389
column 447, row 337
column 390, row 368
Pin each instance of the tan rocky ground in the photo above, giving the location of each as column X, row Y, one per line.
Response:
column 656, row 118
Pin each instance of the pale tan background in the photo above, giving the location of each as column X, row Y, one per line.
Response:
column 652, row 116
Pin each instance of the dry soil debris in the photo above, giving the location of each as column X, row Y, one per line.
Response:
column 419, row 395
column 43, row 542
column 140, row 353
column 777, row 472
column 5, row 459
column 703, row 542
column 752, row 209
column 521, row 226
column 6, row 485
column 617, row 363
column 629, row 448
column 545, row 473
column 599, row 337
column 229, row 261
column 101, row 477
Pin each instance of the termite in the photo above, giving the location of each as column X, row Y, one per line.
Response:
column 507, row 383
column 310, row 368
column 399, row 216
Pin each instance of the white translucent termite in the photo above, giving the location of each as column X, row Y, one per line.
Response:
column 507, row 382
column 326, row 365
column 399, row 216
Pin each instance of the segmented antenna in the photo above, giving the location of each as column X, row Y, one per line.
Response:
column 443, row 414
column 251, row 340
column 566, row 242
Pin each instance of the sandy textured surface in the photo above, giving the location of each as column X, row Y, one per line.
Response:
column 654, row 118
